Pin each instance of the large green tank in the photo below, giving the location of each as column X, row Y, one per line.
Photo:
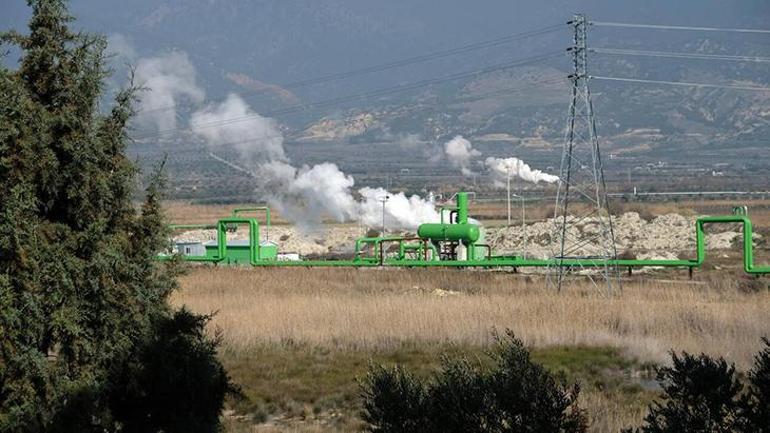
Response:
column 468, row 233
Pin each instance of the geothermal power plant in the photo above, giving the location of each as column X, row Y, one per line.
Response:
column 456, row 240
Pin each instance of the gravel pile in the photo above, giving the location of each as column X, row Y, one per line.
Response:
column 666, row 236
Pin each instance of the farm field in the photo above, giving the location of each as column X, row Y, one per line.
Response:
column 297, row 340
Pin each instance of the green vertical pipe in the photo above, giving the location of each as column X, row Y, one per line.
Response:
column 265, row 209
column 254, row 255
column 462, row 218
column 462, row 208
column 748, row 242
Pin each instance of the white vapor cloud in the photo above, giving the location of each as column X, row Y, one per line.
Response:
column 233, row 123
column 303, row 195
column 307, row 194
column 168, row 79
column 460, row 152
column 400, row 211
column 501, row 168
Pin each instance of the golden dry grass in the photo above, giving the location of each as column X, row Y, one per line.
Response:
column 381, row 308
column 296, row 339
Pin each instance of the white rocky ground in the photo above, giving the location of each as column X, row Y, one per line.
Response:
column 667, row 236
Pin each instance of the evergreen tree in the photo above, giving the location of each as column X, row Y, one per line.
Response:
column 81, row 297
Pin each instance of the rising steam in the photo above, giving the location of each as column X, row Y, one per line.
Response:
column 502, row 168
column 232, row 123
column 460, row 153
column 168, row 79
column 400, row 211
column 307, row 194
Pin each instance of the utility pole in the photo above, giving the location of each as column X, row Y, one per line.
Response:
column 508, row 189
column 585, row 232
column 523, row 221
column 383, row 200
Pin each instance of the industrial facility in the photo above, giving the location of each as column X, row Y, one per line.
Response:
column 456, row 241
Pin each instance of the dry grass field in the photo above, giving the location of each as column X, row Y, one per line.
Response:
column 297, row 339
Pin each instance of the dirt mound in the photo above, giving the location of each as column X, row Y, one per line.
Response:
column 669, row 235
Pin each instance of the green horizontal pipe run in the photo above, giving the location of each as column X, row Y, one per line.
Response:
column 493, row 262
column 241, row 210
column 192, row 227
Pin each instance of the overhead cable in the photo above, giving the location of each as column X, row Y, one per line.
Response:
column 680, row 55
column 684, row 83
column 668, row 27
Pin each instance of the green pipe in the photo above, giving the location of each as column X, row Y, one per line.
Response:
column 192, row 226
column 265, row 209
column 468, row 233
column 464, row 233
column 748, row 242
column 375, row 241
column 462, row 207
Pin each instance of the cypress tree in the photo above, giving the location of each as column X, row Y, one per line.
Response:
column 81, row 298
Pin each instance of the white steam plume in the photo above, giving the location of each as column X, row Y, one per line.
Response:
column 307, row 194
column 232, row 123
column 460, row 152
column 169, row 79
column 501, row 168
column 401, row 212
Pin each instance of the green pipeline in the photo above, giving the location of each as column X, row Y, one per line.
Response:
column 464, row 233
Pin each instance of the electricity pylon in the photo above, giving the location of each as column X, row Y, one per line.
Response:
column 583, row 229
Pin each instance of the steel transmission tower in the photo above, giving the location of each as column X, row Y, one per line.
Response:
column 583, row 228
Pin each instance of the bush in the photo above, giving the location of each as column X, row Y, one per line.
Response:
column 174, row 382
column 759, row 392
column 394, row 401
column 702, row 394
column 514, row 395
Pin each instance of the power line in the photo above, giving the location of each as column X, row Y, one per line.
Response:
column 367, row 95
column 426, row 57
column 684, row 83
column 668, row 27
column 402, row 62
column 668, row 54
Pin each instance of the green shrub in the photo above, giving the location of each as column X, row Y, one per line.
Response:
column 759, row 392
column 514, row 394
column 704, row 395
column 701, row 394
column 173, row 383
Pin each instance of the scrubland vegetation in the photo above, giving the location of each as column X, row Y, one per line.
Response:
column 297, row 340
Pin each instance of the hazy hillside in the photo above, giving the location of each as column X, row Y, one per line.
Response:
column 255, row 48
